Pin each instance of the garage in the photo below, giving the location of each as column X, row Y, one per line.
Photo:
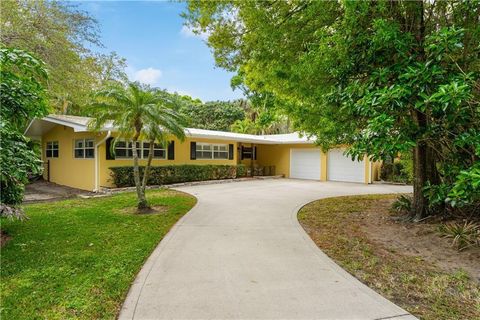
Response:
column 305, row 164
column 342, row 168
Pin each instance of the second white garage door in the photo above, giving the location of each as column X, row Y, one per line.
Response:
column 342, row 168
column 305, row 164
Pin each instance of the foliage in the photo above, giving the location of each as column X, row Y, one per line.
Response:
column 18, row 161
column 138, row 111
column 383, row 77
column 403, row 204
column 241, row 171
column 76, row 259
column 462, row 235
column 61, row 35
column 245, row 126
column 400, row 170
column 213, row 115
column 21, row 98
column 160, row 175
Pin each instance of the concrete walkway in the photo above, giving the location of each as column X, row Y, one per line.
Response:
column 241, row 254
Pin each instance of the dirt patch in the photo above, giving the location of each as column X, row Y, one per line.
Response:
column 4, row 238
column 152, row 210
column 417, row 239
column 406, row 263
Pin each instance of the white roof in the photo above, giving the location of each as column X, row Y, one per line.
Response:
column 38, row 127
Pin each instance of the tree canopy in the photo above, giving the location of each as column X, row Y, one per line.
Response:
column 22, row 97
column 213, row 115
column 383, row 77
column 61, row 35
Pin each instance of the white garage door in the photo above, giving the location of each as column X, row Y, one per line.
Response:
column 305, row 164
column 342, row 168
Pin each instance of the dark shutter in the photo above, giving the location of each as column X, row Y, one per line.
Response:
column 241, row 152
column 171, row 150
column 193, row 150
column 254, row 153
column 108, row 149
column 230, row 152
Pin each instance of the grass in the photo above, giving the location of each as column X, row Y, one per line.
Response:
column 77, row 258
column 414, row 284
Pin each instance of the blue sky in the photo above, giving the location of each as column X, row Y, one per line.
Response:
column 159, row 50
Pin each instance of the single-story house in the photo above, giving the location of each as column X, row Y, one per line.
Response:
column 77, row 157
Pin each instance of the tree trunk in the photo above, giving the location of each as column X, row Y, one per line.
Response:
column 420, row 204
column 421, row 154
column 142, row 200
column 146, row 173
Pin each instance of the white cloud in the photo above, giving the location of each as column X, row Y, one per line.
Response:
column 147, row 76
column 187, row 32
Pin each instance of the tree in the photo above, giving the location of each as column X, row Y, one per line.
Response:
column 213, row 115
column 383, row 77
column 60, row 35
column 138, row 112
column 22, row 97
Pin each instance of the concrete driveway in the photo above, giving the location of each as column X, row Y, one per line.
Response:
column 241, row 254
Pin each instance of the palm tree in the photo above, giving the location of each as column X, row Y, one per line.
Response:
column 138, row 112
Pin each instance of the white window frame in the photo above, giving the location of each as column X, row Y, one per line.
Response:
column 52, row 146
column 140, row 149
column 84, row 148
column 214, row 148
column 156, row 147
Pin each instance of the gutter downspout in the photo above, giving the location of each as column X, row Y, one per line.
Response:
column 97, row 158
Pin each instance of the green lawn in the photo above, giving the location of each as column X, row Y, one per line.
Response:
column 77, row 258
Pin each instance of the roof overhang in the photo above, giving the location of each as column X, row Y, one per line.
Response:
column 38, row 127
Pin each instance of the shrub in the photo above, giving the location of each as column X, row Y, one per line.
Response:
column 398, row 171
column 241, row 171
column 159, row 175
column 403, row 204
column 462, row 235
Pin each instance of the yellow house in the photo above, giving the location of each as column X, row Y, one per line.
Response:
column 75, row 156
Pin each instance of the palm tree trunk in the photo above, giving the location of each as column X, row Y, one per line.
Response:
column 142, row 200
column 146, row 173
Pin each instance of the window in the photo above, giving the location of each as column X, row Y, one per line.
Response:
column 246, row 153
column 84, row 148
column 211, row 151
column 158, row 151
column 124, row 150
column 52, row 149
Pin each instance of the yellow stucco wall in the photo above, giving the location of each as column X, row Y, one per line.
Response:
column 279, row 156
column 66, row 169
column 80, row 173
column 182, row 156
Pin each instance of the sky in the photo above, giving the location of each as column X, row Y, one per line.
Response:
column 159, row 49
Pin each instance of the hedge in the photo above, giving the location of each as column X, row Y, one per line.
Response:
column 159, row 175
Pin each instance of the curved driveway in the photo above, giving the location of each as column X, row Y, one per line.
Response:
column 240, row 253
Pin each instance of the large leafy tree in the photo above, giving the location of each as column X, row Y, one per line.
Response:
column 138, row 112
column 61, row 35
column 213, row 115
column 383, row 76
column 22, row 97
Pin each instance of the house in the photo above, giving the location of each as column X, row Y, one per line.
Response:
column 75, row 156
